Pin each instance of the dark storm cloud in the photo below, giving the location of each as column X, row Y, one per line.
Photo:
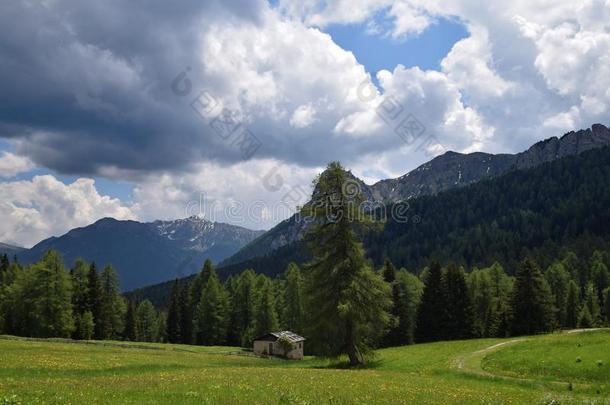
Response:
column 86, row 85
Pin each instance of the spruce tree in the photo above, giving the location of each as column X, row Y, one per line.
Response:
column 80, row 284
column 585, row 320
column 13, row 312
column 499, row 319
column 458, row 307
column 185, row 303
column 162, row 327
column 572, row 305
column 481, row 296
column 406, row 293
column 348, row 301
column 131, row 328
column 242, row 307
column 210, row 314
column 558, row 279
column 293, row 299
column 4, row 265
column 86, row 326
column 112, row 308
column 173, row 325
column 388, row 271
column 532, row 301
column 599, row 276
column 393, row 336
column 606, row 302
column 94, row 300
column 591, row 301
column 146, row 321
column 52, row 298
column 265, row 320
column 431, row 312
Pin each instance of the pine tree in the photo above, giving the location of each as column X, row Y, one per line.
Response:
column 210, row 314
column 348, row 302
column 86, row 326
column 394, row 337
column 162, row 327
column 499, row 319
column 572, row 265
column 112, row 306
column 558, row 279
column 80, row 293
column 13, row 311
column 600, row 277
column 532, row 301
column 242, row 307
column 585, row 320
column 94, row 300
column 293, row 299
column 406, row 292
column 606, row 301
column 388, row 271
column 572, row 305
column 146, row 321
column 185, row 303
column 431, row 312
column 4, row 265
column 80, row 283
column 458, row 309
column 591, row 301
column 52, row 298
column 265, row 320
column 131, row 328
column 173, row 326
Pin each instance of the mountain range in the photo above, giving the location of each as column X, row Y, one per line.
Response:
column 544, row 211
column 445, row 172
column 147, row 253
column 154, row 252
column 10, row 250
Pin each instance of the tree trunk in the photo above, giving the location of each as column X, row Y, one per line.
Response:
column 353, row 355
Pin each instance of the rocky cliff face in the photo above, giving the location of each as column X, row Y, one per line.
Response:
column 572, row 143
column 442, row 173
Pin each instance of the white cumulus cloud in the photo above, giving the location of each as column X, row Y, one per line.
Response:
column 11, row 164
column 32, row 210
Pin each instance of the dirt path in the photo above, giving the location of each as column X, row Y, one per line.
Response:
column 471, row 363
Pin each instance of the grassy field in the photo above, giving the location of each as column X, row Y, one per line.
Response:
column 490, row 371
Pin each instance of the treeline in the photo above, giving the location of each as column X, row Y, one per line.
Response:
column 441, row 303
column 47, row 300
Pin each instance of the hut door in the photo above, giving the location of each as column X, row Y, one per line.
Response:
column 270, row 348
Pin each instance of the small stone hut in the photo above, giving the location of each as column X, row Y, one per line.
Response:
column 285, row 343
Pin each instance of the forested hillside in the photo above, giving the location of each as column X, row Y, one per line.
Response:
column 445, row 172
column 542, row 211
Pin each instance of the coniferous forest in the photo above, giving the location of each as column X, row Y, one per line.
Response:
column 440, row 303
column 338, row 299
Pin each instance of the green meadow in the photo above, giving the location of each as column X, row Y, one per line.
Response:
column 546, row 369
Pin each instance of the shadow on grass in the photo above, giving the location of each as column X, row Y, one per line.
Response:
column 338, row 364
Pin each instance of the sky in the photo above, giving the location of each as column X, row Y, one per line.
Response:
column 228, row 109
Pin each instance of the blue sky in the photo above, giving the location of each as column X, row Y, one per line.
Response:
column 377, row 52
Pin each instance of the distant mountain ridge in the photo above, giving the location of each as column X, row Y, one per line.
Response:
column 147, row 253
column 9, row 250
column 444, row 172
